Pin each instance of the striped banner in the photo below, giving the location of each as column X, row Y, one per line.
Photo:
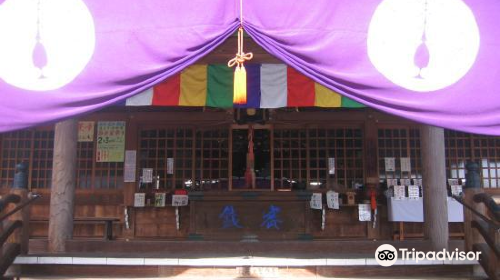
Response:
column 268, row 86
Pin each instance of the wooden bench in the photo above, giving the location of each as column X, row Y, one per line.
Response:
column 107, row 221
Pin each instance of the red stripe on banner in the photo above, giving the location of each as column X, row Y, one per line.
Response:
column 300, row 89
column 167, row 92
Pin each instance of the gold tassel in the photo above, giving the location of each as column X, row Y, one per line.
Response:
column 240, row 85
column 240, row 74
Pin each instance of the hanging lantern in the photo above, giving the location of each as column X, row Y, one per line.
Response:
column 240, row 74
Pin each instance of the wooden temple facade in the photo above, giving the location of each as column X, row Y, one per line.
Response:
column 124, row 193
column 208, row 148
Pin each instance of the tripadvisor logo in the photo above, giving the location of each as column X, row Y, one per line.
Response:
column 387, row 255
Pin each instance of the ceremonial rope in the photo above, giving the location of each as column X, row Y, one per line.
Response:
column 240, row 55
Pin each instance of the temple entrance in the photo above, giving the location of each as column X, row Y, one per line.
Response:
column 251, row 157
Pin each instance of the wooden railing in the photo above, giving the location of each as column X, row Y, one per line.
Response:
column 11, row 233
column 487, row 224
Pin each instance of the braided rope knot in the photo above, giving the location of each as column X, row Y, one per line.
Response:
column 241, row 56
column 239, row 59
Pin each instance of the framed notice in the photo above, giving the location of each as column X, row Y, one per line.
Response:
column 110, row 142
column 413, row 192
column 331, row 166
column 316, row 201
column 399, row 192
column 456, row 190
column 129, row 168
column 390, row 164
column 332, row 200
column 365, row 212
column 139, row 199
column 405, row 164
column 180, row 200
column 160, row 199
column 85, row 131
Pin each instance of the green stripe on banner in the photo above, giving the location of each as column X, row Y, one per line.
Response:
column 349, row 103
column 220, row 86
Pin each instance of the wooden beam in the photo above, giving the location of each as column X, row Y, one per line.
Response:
column 434, row 187
column 63, row 185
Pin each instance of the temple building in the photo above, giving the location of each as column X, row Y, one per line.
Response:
column 161, row 170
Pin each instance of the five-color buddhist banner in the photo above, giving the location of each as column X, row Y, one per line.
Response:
column 269, row 86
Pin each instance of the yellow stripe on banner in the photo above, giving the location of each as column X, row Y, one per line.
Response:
column 325, row 97
column 193, row 86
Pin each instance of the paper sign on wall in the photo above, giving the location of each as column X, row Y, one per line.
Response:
column 399, row 192
column 332, row 200
column 147, row 175
column 413, row 192
column 139, row 200
column 85, row 131
column 365, row 213
column 180, row 200
column 129, row 167
column 405, row 164
column 170, row 165
column 331, row 166
column 417, row 182
column 405, row 182
column 110, row 141
column 316, row 201
column 390, row 164
column 453, row 182
column 456, row 190
column 392, row 182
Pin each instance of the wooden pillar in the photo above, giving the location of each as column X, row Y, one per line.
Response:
column 434, row 186
column 130, row 187
column 63, row 185
column 371, row 169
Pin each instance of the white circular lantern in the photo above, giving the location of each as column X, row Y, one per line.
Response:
column 423, row 45
column 45, row 43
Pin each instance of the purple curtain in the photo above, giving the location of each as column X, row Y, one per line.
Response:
column 432, row 61
column 137, row 44
column 327, row 41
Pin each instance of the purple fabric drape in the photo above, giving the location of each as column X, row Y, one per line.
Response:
column 137, row 44
column 432, row 61
column 327, row 41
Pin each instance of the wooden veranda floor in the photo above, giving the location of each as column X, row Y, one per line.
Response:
column 231, row 260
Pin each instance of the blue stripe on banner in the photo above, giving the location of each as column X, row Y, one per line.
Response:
column 253, row 87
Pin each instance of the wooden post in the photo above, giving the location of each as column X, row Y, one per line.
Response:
column 20, row 188
column 434, row 184
column 371, row 168
column 20, row 235
column 63, row 185
column 472, row 187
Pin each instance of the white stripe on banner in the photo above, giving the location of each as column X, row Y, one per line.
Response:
column 273, row 86
column 144, row 98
